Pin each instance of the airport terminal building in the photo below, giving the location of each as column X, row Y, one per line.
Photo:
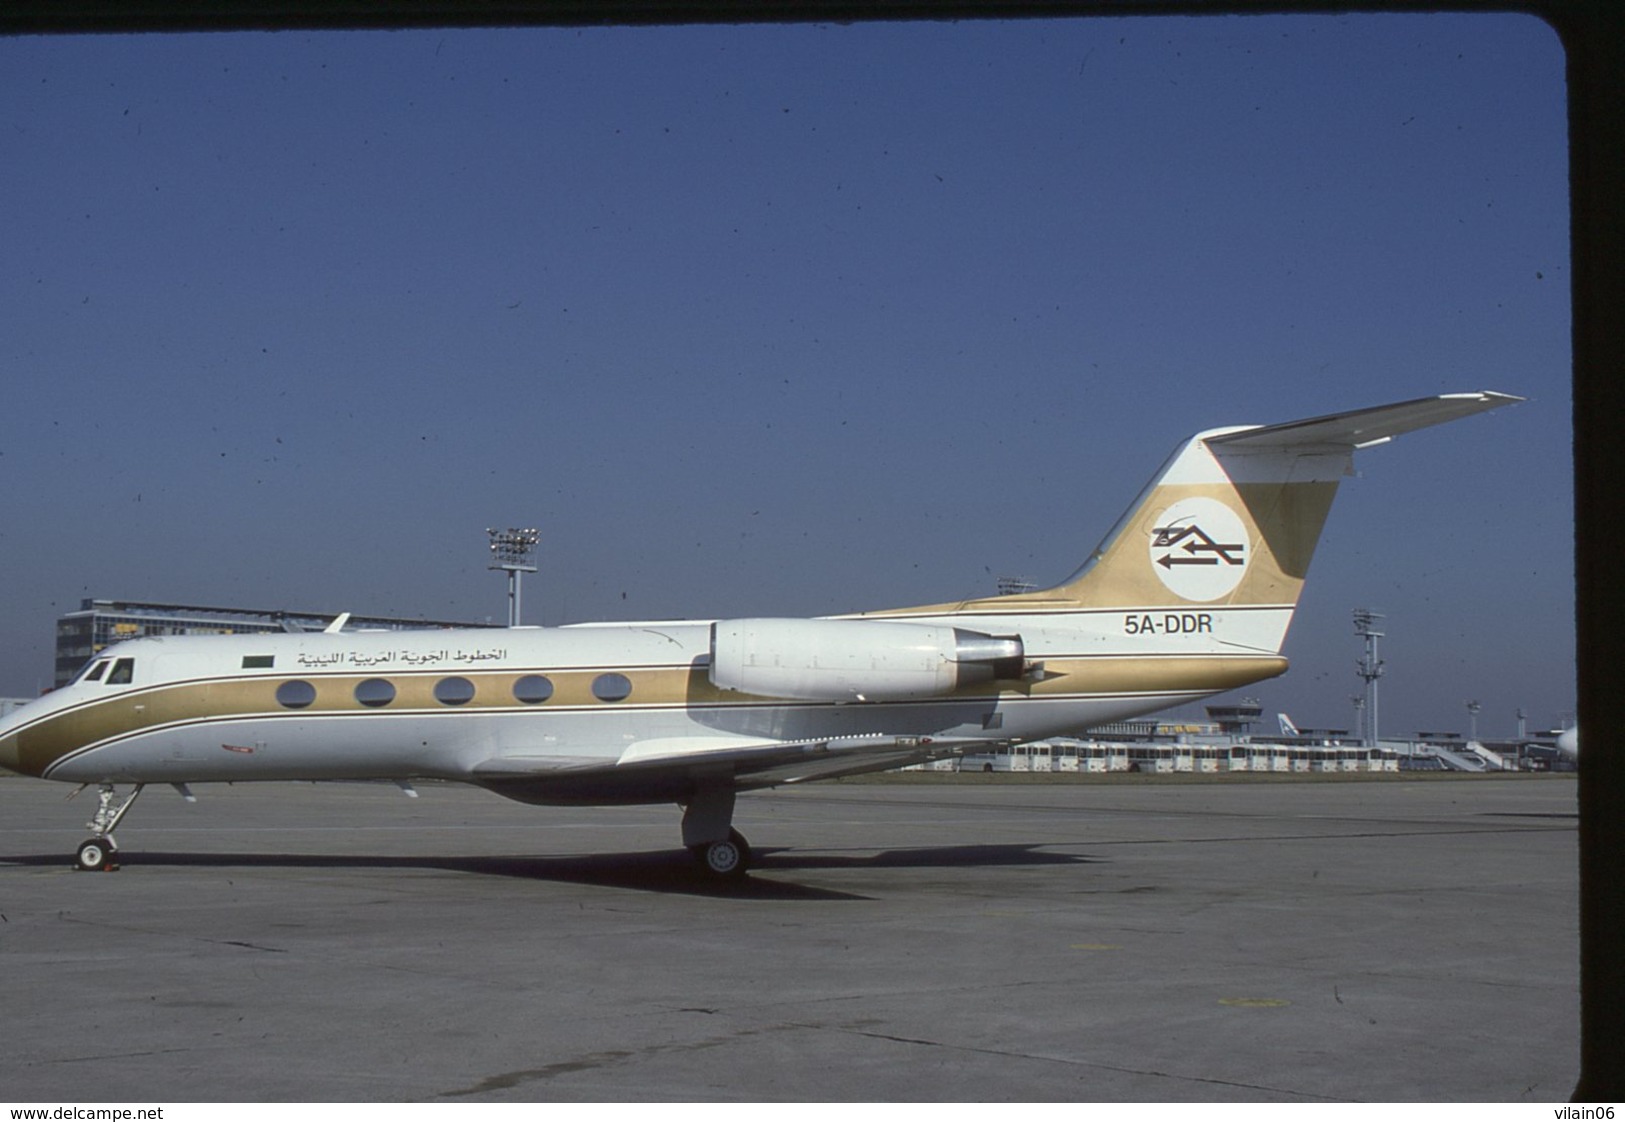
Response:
column 101, row 623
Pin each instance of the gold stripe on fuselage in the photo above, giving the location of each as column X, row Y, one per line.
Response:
column 39, row 745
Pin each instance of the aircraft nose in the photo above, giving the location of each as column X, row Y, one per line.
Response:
column 10, row 756
column 10, row 748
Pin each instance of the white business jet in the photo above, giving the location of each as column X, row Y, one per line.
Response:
column 1190, row 594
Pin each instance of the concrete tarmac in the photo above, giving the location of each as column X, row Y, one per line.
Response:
column 1311, row 940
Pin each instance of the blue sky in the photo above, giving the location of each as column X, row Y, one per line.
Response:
column 784, row 320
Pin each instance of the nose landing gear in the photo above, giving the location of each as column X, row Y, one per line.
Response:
column 99, row 854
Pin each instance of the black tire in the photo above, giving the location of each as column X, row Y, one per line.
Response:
column 724, row 859
column 95, row 855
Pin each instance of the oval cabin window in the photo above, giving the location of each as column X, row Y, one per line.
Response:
column 612, row 687
column 295, row 694
column 375, row 692
column 454, row 691
column 532, row 689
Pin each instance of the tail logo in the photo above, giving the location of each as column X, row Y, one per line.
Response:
column 1199, row 549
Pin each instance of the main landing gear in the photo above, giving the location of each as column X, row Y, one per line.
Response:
column 727, row 858
column 99, row 854
column 708, row 832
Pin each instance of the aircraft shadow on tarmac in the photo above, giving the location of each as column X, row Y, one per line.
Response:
column 661, row 871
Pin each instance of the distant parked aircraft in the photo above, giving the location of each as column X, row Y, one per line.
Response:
column 1568, row 743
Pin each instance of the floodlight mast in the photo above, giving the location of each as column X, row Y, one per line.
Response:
column 514, row 552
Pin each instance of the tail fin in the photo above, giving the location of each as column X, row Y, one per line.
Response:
column 1233, row 517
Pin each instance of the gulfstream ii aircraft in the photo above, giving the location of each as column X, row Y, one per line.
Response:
column 1190, row 594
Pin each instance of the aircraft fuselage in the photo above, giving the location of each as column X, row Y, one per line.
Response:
column 356, row 705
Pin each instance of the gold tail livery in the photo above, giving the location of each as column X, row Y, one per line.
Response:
column 1190, row 594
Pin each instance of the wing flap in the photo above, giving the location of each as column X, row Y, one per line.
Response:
column 669, row 769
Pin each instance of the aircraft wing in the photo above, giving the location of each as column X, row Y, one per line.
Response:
column 1361, row 428
column 669, row 769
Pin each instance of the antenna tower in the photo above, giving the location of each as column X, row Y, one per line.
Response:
column 1370, row 668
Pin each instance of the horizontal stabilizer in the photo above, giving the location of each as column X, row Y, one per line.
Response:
column 1361, row 428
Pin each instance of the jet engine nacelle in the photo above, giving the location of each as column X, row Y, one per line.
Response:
column 856, row 660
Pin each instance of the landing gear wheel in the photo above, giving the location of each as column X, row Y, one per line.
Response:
column 96, row 855
column 724, row 859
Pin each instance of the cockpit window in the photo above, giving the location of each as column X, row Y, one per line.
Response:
column 94, row 672
column 123, row 672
